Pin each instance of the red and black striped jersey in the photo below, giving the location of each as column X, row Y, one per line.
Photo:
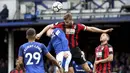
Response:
column 16, row 71
column 102, row 52
column 71, row 32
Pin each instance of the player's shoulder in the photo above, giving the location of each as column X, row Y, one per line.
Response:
column 57, row 29
column 98, row 46
column 80, row 24
column 23, row 45
column 40, row 44
column 12, row 71
column 58, row 23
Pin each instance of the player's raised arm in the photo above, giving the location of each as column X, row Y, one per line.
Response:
column 38, row 36
column 94, row 29
column 54, row 61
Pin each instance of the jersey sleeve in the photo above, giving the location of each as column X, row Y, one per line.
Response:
column 49, row 47
column 20, row 51
column 96, row 55
column 59, row 33
column 110, row 50
column 82, row 27
column 45, row 51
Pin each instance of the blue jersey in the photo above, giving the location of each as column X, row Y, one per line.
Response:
column 33, row 52
column 79, row 69
column 58, row 41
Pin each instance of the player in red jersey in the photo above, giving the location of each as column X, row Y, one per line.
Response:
column 19, row 68
column 104, row 55
column 72, row 30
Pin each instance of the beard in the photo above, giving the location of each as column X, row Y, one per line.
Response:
column 69, row 25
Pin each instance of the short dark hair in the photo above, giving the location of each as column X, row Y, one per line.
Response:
column 68, row 16
column 31, row 32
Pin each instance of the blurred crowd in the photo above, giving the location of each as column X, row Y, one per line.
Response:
column 3, row 66
column 121, row 63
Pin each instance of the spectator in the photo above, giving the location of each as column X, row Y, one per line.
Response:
column 3, row 68
column 4, row 13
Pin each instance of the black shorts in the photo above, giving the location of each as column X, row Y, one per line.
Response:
column 77, row 56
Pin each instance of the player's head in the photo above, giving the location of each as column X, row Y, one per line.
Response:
column 68, row 19
column 4, row 6
column 104, row 37
column 49, row 32
column 30, row 34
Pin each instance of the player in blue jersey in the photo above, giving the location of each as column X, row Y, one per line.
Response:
column 60, row 44
column 78, row 68
column 32, row 53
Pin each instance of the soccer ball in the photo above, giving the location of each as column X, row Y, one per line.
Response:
column 57, row 6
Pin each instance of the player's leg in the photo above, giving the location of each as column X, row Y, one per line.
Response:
column 67, row 62
column 74, row 53
column 86, row 67
column 71, row 69
column 83, row 63
column 59, row 58
column 80, row 60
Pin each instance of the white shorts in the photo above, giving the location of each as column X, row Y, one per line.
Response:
column 60, row 57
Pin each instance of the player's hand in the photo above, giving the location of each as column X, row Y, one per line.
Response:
column 38, row 36
column 108, row 30
column 61, row 70
column 66, row 55
column 97, row 62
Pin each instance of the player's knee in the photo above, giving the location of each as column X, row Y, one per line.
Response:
column 57, row 71
column 86, row 67
column 71, row 70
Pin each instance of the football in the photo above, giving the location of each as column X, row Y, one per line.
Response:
column 57, row 6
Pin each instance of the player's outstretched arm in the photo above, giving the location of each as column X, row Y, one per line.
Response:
column 38, row 36
column 54, row 61
column 94, row 29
